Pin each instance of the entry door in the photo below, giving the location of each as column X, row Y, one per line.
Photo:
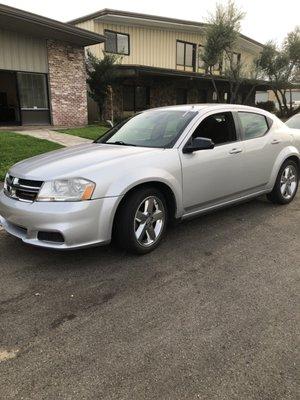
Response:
column 212, row 176
column 9, row 102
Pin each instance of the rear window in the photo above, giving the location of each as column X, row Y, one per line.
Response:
column 253, row 125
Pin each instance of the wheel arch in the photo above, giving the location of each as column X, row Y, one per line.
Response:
column 162, row 187
column 287, row 154
column 296, row 159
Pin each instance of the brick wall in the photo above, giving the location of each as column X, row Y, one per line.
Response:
column 67, row 84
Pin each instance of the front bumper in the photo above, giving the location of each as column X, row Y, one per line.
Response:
column 82, row 224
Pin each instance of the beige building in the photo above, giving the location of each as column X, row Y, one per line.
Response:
column 160, row 59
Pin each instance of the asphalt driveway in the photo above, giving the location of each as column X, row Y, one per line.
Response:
column 211, row 314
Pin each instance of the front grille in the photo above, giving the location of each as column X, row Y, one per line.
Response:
column 22, row 189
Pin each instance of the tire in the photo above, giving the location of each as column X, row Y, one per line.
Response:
column 141, row 221
column 285, row 194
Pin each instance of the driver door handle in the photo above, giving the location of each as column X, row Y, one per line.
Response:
column 275, row 141
column 235, row 151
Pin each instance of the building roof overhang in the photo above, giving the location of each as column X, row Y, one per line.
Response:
column 127, row 17
column 35, row 25
column 140, row 71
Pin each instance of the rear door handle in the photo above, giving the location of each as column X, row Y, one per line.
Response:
column 275, row 141
column 235, row 151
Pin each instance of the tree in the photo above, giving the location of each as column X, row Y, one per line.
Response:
column 281, row 66
column 101, row 74
column 222, row 33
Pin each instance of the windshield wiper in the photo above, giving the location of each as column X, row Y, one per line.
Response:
column 121, row 143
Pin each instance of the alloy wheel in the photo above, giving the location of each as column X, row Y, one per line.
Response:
column 288, row 182
column 149, row 221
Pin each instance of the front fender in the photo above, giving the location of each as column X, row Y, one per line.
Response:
column 124, row 183
column 287, row 152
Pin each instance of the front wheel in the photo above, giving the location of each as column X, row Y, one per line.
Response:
column 141, row 221
column 286, row 184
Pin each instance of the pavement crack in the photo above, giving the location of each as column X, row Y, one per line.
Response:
column 61, row 320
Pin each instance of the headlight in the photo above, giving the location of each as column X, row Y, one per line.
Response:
column 75, row 189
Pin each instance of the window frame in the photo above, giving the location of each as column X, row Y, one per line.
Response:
column 235, row 125
column 268, row 120
column 19, row 91
column 117, row 33
column 184, row 55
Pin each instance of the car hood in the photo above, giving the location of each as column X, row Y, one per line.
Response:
column 75, row 161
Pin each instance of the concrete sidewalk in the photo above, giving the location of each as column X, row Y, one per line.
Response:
column 62, row 138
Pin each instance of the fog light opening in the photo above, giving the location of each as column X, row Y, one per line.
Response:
column 55, row 237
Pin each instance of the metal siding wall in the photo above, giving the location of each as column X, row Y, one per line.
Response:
column 22, row 53
column 160, row 49
column 156, row 47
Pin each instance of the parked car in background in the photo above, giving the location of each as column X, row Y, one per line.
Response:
column 294, row 122
column 160, row 165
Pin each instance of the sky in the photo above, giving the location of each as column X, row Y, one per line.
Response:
column 265, row 19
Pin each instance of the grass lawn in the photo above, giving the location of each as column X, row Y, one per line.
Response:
column 88, row 132
column 14, row 148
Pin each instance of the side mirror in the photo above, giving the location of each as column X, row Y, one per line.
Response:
column 109, row 122
column 198, row 143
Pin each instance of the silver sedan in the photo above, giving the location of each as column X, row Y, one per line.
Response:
column 161, row 165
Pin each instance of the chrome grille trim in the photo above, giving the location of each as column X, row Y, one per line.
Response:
column 22, row 189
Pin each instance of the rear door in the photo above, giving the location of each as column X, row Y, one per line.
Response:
column 261, row 146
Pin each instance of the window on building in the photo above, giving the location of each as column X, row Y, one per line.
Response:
column 32, row 91
column 181, row 96
column 117, row 43
column 186, row 55
column 253, row 125
column 136, row 98
column 261, row 96
column 236, row 58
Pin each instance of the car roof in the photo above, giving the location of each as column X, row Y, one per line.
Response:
column 211, row 106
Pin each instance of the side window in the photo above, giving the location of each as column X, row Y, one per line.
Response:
column 116, row 43
column 253, row 125
column 219, row 128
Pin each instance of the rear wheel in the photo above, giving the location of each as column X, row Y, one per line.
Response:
column 286, row 184
column 141, row 221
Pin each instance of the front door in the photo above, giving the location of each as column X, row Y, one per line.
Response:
column 213, row 176
column 9, row 101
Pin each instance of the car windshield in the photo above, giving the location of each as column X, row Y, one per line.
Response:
column 156, row 128
column 294, row 122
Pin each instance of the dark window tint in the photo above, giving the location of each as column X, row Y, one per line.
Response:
column 136, row 98
column 219, row 128
column 33, row 91
column 181, row 96
column 117, row 43
column 141, row 98
column 128, row 98
column 253, row 125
